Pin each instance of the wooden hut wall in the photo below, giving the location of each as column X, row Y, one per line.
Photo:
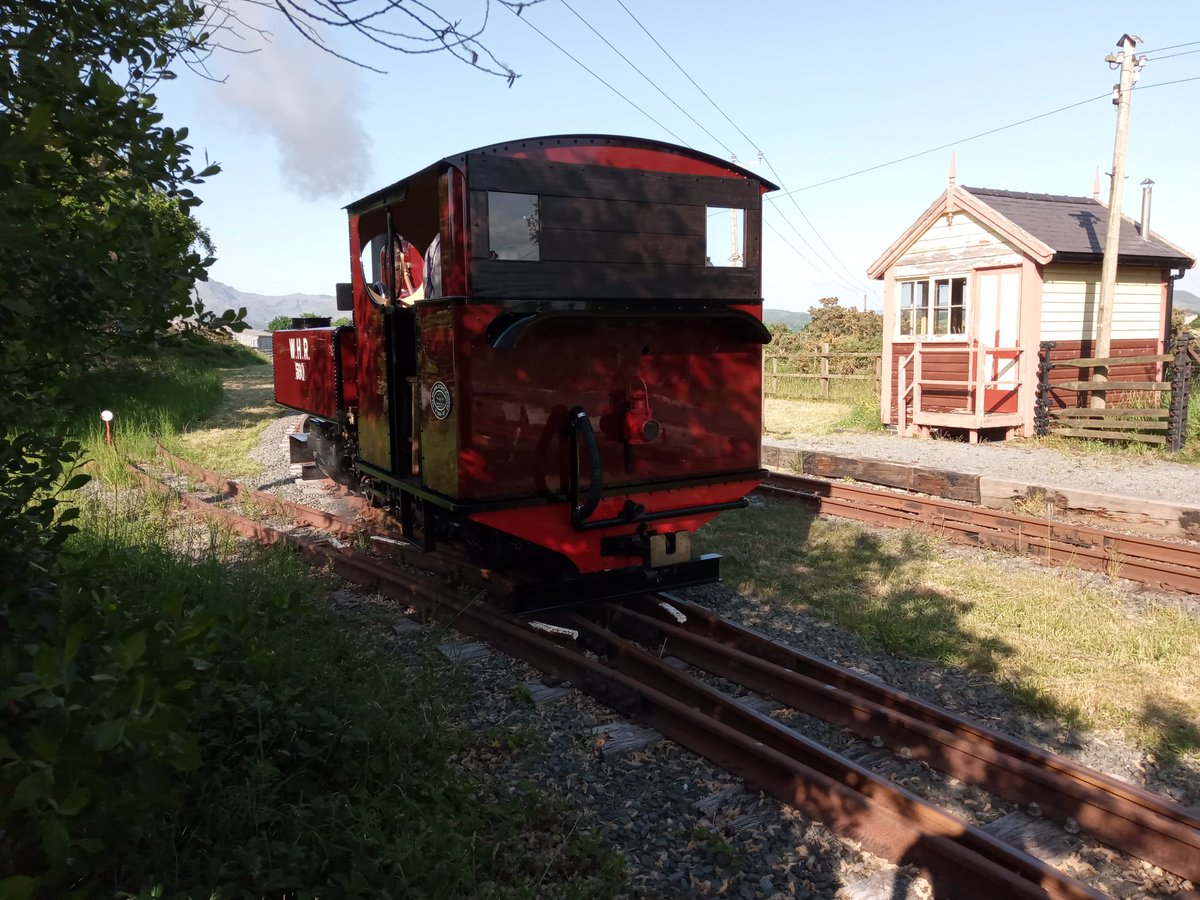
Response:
column 1070, row 297
column 934, row 367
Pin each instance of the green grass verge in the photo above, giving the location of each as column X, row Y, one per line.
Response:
column 192, row 721
column 1066, row 649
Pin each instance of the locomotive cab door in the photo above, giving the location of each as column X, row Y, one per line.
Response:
column 389, row 280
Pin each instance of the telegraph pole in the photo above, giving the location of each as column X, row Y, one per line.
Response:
column 1112, row 235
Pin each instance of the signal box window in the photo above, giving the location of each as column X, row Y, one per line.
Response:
column 934, row 308
column 514, row 226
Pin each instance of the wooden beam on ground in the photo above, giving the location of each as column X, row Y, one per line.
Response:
column 1158, row 517
column 1097, row 435
column 936, row 482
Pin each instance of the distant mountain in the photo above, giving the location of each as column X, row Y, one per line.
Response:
column 792, row 319
column 262, row 308
column 1186, row 300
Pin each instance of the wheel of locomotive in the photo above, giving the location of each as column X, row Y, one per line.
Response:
column 485, row 546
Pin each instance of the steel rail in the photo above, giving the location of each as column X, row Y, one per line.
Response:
column 1161, row 564
column 959, row 859
column 1123, row 816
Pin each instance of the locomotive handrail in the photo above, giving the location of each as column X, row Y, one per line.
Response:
column 506, row 329
column 581, row 428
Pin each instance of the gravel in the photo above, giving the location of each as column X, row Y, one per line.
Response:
column 687, row 828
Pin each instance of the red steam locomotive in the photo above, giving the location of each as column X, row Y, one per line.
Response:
column 555, row 361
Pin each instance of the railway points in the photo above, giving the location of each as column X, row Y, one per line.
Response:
column 679, row 702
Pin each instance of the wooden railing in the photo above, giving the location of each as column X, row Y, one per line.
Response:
column 974, row 387
column 1165, row 425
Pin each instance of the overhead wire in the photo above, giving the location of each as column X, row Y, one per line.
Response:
column 830, row 270
column 647, row 78
column 949, row 144
column 1157, row 84
column 1170, row 55
column 571, row 56
column 660, row 124
column 1172, row 47
column 786, row 242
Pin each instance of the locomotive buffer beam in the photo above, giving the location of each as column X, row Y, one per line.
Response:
column 617, row 584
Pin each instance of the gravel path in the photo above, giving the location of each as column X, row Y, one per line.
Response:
column 1144, row 477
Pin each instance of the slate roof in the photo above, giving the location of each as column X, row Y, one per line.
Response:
column 1074, row 227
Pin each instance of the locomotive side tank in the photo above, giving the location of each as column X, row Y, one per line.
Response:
column 557, row 344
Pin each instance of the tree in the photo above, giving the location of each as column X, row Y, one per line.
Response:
column 100, row 248
column 280, row 323
column 383, row 25
column 98, row 254
column 843, row 324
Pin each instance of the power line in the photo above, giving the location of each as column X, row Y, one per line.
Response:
column 685, row 74
column 791, row 196
column 1170, row 55
column 597, row 77
column 884, row 165
column 1146, row 87
column 828, row 271
column 646, row 77
column 752, row 143
column 1172, row 47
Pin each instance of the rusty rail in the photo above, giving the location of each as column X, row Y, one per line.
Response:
column 958, row 859
column 1121, row 815
column 1160, row 564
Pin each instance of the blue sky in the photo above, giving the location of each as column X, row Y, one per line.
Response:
column 822, row 90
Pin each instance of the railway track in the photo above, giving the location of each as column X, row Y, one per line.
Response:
column 618, row 654
column 1163, row 565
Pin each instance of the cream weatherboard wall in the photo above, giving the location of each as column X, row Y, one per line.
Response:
column 954, row 245
column 1070, row 295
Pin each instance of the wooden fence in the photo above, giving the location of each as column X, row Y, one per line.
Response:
column 781, row 368
column 1166, row 425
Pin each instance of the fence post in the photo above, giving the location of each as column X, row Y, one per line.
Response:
column 1181, row 378
column 775, row 376
column 825, row 369
column 1041, row 406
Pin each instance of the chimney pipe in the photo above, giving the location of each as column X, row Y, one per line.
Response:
column 1147, row 187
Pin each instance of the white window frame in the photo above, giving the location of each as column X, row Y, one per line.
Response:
column 929, row 306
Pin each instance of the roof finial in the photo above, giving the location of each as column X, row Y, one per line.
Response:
column 953, row 174
column 1096, row 186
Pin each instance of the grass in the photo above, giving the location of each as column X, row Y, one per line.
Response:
column 852, row 406
column 251, row 743
column 166, row 398
column 1067, row 649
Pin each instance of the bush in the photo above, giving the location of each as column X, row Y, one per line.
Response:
column 195, row 726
